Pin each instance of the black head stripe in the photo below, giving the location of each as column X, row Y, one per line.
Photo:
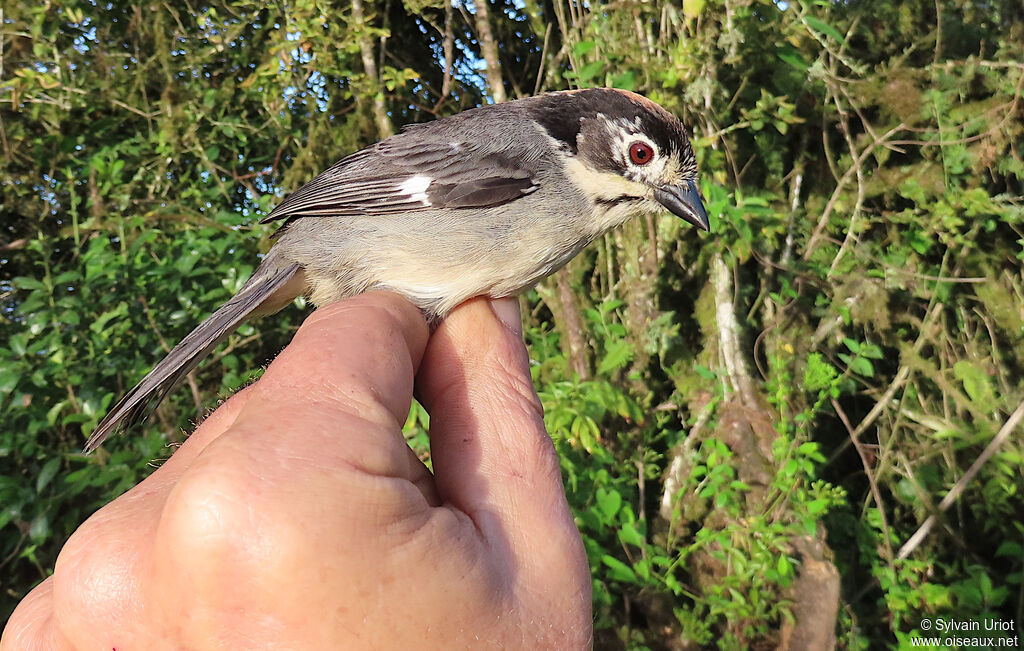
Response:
column 563, row 115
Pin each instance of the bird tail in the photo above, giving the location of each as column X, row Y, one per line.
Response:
column 136, row 406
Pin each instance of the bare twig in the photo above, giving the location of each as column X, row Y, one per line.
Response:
column 449, row 52
column 232, row 347
column 850, row 171
column 148, row 115
column 543, row 59
column 986, row 454
column 642, row 496
column 729, row 333
column 875, row 493
column 795, row 186
column 844, row 126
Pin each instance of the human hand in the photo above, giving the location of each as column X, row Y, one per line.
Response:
column 297, row 517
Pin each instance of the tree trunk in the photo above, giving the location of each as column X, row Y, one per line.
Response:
column 489, row 48
column 380, row 113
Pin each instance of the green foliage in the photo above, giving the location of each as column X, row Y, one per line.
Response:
column 861, row 167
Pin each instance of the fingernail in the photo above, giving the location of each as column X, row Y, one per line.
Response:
column 507, row 311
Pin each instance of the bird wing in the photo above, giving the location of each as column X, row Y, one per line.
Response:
column 411, row 172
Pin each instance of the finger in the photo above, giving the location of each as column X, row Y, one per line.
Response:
column 351, row 361
column 491, row 453
column 335, row 398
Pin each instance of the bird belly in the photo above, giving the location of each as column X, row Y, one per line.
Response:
column 438, row 285
column 436, row 279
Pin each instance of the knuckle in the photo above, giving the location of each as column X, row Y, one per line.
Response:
column 91, row 579
column 211, row 521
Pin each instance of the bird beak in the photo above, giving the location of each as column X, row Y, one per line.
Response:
column 684, row 201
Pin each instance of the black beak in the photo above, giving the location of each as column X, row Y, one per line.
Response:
column 684, row 201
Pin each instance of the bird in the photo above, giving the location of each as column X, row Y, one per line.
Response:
column 488, row 202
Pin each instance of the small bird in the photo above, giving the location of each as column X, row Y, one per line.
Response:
column 486, row 202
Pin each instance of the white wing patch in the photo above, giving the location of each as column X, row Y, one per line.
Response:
column 416, row 188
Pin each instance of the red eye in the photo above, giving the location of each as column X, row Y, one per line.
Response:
column 640, row 153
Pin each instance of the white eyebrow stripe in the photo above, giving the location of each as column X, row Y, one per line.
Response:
column 416, row 188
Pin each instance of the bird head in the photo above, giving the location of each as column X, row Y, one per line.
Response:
column 628, row 153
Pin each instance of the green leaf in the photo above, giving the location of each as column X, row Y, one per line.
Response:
column 792, row 56
column 591, row 70
column 18, row 343
column 40, row 529
column 54, row 411
column 8, row 380
column 818, row 506
column 819, row 373
column 25, row 282
column 692, row 8
column 871, row 351
column 704, row 371
column 976, row 384
column 862, row 366
column 819, row 25
column 629, row 534
column 642, row 567
column 583, row 47
column 619, row 571
column 609, row 502
column 47, row 473
column 1010, row 549
column 784, row 567
column 100, row 323
column 625, row 81
column 617, row 355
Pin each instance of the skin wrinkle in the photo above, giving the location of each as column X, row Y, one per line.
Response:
column 351, row 400
column 358, row 394
column 373, row 468
column 500, row 369
column 425, row 483
column 441, row 548
column 407, row 531
column 373, row 452
column 508, row 382
column 347, row 392
column 39, row 619
column 530, row 449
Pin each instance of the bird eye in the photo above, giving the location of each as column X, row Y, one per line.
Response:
column 640, row 153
